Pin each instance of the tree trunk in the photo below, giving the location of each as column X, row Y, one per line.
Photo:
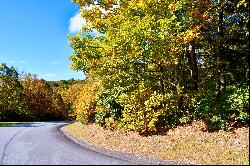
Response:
column 220, row 76
column 161, row 80
column 180, row 81
column 191, row 55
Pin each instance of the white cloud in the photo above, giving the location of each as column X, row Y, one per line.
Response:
column 48, row 74
column 18, row 62
column 23, row 61
column 55, row 62
column 75, row 23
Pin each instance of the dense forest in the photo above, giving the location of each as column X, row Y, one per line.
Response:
column 157, row 64
column 153, row 65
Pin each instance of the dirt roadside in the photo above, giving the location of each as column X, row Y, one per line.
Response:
column 188, row 144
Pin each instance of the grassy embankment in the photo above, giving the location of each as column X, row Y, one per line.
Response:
column 2, row 124
column 184, row 144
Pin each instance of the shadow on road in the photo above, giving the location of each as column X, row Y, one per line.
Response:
column 39, row 124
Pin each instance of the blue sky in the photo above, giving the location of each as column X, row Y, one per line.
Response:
column 33, row 36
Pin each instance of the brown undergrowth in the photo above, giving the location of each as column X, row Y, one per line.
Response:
column 184, row 144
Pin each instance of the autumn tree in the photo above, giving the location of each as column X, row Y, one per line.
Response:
column 43, row 103
column 12, row 103
column 156, row 60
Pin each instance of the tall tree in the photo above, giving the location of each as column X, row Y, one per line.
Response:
column 12, row 102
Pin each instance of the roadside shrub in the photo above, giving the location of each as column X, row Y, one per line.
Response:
column 108, row 100
column 141, row 109
column 110, row 123
column 148, row 111
column 230, row 110
column 100, row 118
column 238, row 97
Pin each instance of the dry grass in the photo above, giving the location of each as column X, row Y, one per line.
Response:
column 184, row 144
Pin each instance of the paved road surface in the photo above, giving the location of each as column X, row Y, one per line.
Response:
column 40, row 143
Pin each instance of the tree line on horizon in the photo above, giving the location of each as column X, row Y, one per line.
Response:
column 27, row 98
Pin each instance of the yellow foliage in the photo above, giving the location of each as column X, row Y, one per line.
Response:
column 172, row 6
column 69, row 96
column 110, row 123
column 43, row 103
column 86, row 100
column 82, row 99
column 174, row 49
column 175, row 5
column 192, row 34
column 142, row 109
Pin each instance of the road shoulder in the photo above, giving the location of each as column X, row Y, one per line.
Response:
column 136, row 159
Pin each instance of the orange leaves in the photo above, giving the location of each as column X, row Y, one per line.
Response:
column 174, row 49
column 200, row 9
column 196, row 13
column 172, row 6
column 109, row 3
column 42, row 102
column 175, row 6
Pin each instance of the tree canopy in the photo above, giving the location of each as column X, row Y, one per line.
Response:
column 164, row 62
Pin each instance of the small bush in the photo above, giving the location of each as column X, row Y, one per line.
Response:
column 142, row 109
column 100, row 118
column 108, row 101
column 229, row 110
column 110, row 123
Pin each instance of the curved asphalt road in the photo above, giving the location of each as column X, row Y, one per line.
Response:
column 40, row 143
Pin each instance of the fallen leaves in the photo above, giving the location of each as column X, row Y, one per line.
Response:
column 185, row 144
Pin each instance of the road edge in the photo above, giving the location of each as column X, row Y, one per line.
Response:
column 136, row 159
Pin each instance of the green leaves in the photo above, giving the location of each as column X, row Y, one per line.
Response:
column 12, row 102
column 174, row 59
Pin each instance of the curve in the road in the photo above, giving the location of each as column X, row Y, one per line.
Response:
column 135, row 159
column 42, row 144
column 46, row 143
